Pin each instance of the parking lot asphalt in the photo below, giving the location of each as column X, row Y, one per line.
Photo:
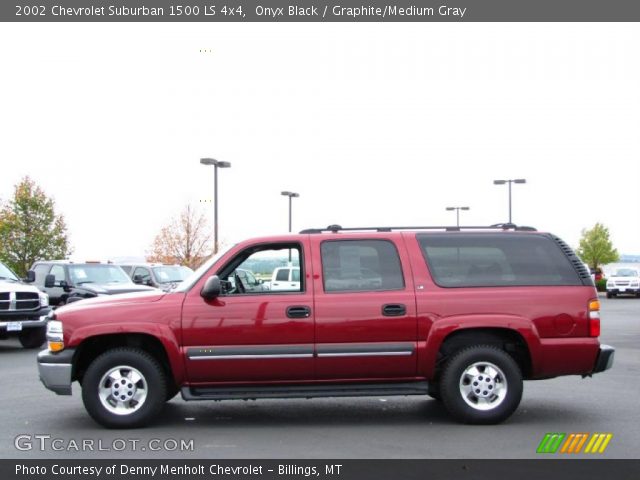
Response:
column 394, row 427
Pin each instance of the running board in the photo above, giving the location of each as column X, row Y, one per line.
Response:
column 305, row 391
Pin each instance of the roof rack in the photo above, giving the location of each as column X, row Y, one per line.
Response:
column 496, row 226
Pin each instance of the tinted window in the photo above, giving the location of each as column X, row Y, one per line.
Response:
column 126, row 268
column 485, row 260
column 283, row 275
column 360, row 265
column 144, row 273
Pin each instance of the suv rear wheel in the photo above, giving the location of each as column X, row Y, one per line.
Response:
column 481, row 385
column 124, row 388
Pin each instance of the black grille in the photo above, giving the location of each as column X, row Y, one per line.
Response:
column 4, row 301
column 23, row 301
column 582, row 271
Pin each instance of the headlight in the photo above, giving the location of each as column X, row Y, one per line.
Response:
column 55, row 337
column 611, row 283
column 44, row 299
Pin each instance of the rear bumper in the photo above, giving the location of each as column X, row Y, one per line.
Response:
column 55, row 370
column 604, row 361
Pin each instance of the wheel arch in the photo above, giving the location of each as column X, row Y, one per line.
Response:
column 445, row 341
column 94, row 346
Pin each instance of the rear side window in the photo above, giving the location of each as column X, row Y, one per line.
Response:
column 486, row 260
column 360, row 266
column 283, row 275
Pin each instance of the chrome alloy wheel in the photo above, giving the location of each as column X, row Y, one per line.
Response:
column 483, row 386
column 122, row 390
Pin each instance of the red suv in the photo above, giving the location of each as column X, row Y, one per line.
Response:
column 463, row 315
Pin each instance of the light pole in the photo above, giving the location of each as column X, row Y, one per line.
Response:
column 502, row 182
column 290, row 195
column 216, row 164
column 457, row 209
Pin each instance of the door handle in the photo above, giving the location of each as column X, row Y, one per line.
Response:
column 394, row 310
column 298, row 311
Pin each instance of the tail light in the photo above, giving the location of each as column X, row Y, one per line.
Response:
column 594, row 318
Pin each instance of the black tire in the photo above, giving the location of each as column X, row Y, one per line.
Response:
column 609, row 295
column 506, row 379
column 434, row 390
column 152, row 384
column 172, row 391
column 33, row 337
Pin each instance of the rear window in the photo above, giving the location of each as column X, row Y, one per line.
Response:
column 283, row 275
column 489, row 260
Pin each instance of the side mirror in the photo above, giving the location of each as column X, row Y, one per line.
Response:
column 31, row 276
column 137, row 279
column 211, row 288
column 149, row 283
column 49, row 281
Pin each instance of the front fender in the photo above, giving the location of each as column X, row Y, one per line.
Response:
column 161, row 332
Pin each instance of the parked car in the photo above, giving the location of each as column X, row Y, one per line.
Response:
column 23, row 309
column 156, row 275
column 285, row 279
column 67, row 281
column 464, row 316
column 624, row 281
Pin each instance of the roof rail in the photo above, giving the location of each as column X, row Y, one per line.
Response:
column 496, row 226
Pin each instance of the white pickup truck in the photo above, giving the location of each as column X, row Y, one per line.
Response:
column 285, row 279
column 624, row 281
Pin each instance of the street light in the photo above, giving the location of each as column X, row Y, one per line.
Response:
column 290, row 195
column 502, row 182
column 457, row 209
column 216, row 164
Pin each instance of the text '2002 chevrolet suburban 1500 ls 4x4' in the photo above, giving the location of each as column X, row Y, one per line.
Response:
column 463, row 315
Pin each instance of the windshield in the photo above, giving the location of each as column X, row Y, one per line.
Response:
column 171, row 273
column 6, row 273
column 626, row 272
column 202, row 269
column 97, row 274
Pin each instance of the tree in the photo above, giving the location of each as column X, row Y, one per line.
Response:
column 30, row 229
column 596, row 248
column 184, row 240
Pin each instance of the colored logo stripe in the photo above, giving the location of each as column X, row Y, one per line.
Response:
column 598, row 443
column 550, row 442
column 574, row 443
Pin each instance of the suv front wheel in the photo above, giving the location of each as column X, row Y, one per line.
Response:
column 124, row 388
column 32, row 337
column 481, row 385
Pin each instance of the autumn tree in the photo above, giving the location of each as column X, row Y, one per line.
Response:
column 30, row 229
column 596, row 248
column 185, row 240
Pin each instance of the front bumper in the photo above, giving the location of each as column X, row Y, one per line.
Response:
column 26, row 320
column 55, row 370
column 623, row 290
column 604, row 361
